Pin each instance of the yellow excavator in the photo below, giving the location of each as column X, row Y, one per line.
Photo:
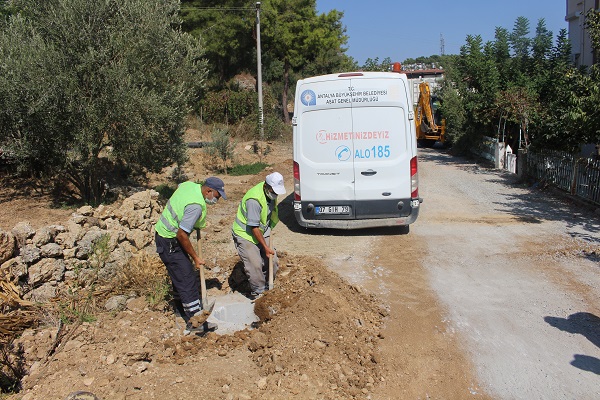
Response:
column 431, row 127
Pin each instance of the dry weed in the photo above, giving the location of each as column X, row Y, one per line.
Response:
column 146, row 276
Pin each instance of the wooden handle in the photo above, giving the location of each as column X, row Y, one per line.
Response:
column 202, row 281
column 271, row 261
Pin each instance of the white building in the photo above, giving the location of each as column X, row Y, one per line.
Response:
column 433, row 76
column 581, row 44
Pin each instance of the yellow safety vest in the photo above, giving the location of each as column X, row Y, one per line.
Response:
column 239, row 225
column 187, row 193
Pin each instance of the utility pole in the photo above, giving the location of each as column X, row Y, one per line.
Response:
column 259, row 76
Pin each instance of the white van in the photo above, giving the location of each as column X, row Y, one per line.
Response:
column 355, row 151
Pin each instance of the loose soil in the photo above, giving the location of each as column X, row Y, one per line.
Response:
column 320, row 336
column 353, row 314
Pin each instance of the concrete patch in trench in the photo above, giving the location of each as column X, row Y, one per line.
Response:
column 233, row 312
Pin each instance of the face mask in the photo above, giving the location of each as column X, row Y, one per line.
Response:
column 272, row 195
column 212, row 200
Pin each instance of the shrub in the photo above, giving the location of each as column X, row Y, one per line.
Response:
column 248, row 169
column 221, row 147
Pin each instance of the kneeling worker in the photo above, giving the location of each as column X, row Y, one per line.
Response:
column 256, row 216
column 184, row 212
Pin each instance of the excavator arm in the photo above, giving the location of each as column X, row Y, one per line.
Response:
column 428, row 130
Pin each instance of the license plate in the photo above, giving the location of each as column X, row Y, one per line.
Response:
column 333, row 210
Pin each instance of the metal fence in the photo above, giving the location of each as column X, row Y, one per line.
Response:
column 578, row 176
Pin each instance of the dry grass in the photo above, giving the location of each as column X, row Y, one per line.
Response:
column 146, row 276
column 16, row 314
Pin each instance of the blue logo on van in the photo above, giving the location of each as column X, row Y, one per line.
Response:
column 343, row 153
column 308, row 98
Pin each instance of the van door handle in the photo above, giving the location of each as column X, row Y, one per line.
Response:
column 368, row 172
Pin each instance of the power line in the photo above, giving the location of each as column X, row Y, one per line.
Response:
column 219, row 8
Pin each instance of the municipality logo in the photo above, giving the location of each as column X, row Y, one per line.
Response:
column 308, row 98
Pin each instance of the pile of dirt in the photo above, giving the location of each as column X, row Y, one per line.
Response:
column 312, row 321
column 317, row 337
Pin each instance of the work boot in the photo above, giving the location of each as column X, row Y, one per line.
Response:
column 254, row 296
column 202, row 329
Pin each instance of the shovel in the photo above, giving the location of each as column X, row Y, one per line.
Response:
column 206, row 307
column 271, row 261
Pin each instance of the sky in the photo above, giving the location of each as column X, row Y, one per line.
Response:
column 402, row 29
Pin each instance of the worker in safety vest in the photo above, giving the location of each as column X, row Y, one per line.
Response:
column 184, row 212
column 256, row 216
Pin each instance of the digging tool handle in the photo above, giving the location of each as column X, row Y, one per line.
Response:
column 202, row 281
column 271, row 261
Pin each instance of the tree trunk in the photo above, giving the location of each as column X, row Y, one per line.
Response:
column 286, row 75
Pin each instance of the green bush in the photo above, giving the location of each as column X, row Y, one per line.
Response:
column 84, row 82
column 165, row 191
column 247, row 169
column 228, row 106
column 221, row 147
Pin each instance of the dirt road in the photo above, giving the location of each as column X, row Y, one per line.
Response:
column 494, row 294
column 495, row 291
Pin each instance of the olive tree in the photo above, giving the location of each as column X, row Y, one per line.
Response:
column 85, row 84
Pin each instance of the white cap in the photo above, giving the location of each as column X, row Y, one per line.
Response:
column 275, row 180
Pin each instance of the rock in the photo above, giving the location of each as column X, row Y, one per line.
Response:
column 133, row 357
column 69, row 253
column 85, row 246
column 42, row 237
column 259, row 340
column 117, row 234
column 93, row 221
column 42, row 294
column 23, row 231
column 139, row 238
column 121, row 255
column 136, row 304
column 136, row 209
column 85, row 210
column 87, row 276
column 88, row 381
column 75, row 229
column 115, row 303
column 66, row 239
column 30, row 254
column 262, row 383
column 46, row 269
column 140, row 366
column 31, row 396
column 7, row 246
column 51, row 250
column 78, row 218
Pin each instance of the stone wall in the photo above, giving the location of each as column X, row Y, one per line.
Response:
column 42, row 262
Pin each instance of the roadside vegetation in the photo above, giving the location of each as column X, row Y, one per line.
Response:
column 522, row 89
column 87, row 105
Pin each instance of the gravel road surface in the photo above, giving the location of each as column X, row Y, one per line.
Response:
column 508, row 276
